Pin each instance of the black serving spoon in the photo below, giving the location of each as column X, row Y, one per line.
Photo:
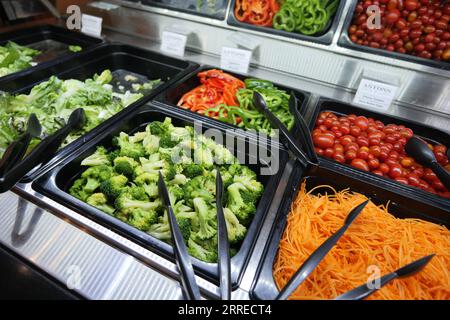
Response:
column 224, row 245
column 304, row 131
column 419, row 150
column 17, row 149
column 364, row 291
column 317, row 256
column 182, row 258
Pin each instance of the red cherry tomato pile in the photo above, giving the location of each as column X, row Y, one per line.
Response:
column 416, row 27
column 370, row 145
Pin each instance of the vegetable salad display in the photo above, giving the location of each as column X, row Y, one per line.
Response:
column 14, row 58
column 123, row 182
column 308, row 17
column 54, row 100
column 228, row 99
column 370, row 145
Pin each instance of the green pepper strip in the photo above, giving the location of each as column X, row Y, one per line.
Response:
column 284, row 19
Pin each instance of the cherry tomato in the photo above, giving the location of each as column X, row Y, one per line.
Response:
column 350, row 155
column 363, row 153
column 360, row 164
column 384, row 168
column 374, row 164
column 328, row 152
column 339, row 157
column 323, row 141
column 362, row 122
column 339, row 148
column 395, row 171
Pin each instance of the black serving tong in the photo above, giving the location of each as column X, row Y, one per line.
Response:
column 317, row 256
column 364, row 291
column 224, row 245
column 419, row 150
column 183, row 260
column 304, row 131
column 43, row 152
column 17, row 149
column 291, row 142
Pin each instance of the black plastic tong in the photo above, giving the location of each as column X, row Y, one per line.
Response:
column 364, row 291
column 43, row 152
column 317, row 256
column 183, row 260
column 291, row 142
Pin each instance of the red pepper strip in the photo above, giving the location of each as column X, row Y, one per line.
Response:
column 241, row 11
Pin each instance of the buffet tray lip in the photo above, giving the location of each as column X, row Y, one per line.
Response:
column 344, row 41
column 173, row 94
column 112, row 56
column 216, row 16
column 402, row 204
column 30, row 36
column 324, row 37
column 54, row 183
column 430, row 134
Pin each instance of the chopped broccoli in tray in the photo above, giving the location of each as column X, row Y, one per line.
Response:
column 54, row 100
column 124, row 183
column 14, row 58
column 75, row 48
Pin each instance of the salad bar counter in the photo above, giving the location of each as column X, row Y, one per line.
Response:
column 130, row 173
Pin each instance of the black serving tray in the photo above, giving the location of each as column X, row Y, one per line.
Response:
column 55, row 183
column 52, row 41
column 324, row 37
column 190, row 6
column 122, row 60
column 344, row 41
column 401, row 204
column 432, row 135
column 172, row 95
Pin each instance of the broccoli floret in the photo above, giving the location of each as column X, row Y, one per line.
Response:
column 126, row 203
column 95, row 176
column 201, row 253
column 160, row 128
column 176, row 193
column 185, row 226
column 138, row 193
column 193, row 170
column 151, row 189
column 99, row 201
column 138, row 137
column 203, row 155
column 154, row 164
column 129, row 149
column 206, row 218
column 151, row 144
column 199, row 187
column 114, row 186
column 241, row 202
column 113, row 155
column 77, row 190
column 125, row 166
column 236, row 231
column 179, row 179
column 145, row 178
column 161, row 230
column 100, row 157
column 142, row 219
column 248, row 178
column 166, row 141
column 222, row 155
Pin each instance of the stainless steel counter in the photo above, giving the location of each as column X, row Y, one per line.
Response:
column 100, row 264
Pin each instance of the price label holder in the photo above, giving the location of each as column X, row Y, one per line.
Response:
column 376, row 91
column 174, row 40
column 91, row 25
column 237, row 60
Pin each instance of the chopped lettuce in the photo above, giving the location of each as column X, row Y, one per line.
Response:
column 14, row 58
column 54, row 100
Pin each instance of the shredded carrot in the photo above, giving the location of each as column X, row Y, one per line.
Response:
column 376, row 243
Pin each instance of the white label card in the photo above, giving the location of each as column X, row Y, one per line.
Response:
column 173, row 43
column 91, row 25
column 375, row 94
column 236, row 60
